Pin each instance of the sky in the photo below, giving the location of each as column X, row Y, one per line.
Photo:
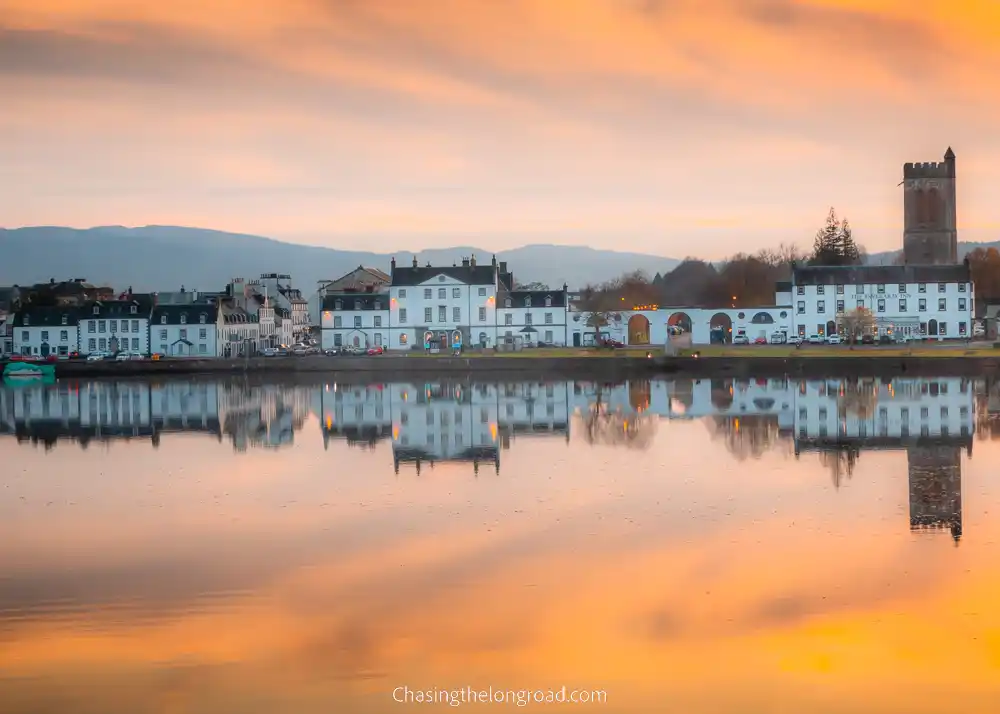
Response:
column 672, row 127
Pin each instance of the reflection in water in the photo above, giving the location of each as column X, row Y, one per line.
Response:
column 624, row 540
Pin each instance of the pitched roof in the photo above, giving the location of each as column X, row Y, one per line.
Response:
column 192, row 313
column 517, row 298
column 101, row 309
column 880, row 274
column 478, row 275
column 46, row 316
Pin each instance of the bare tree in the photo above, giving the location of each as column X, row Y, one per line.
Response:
column 856, row 323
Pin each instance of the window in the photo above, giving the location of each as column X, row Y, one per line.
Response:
column 184, row 334
column 820, row 306
column 378, row 339
column 202, row 319
column 902, row 304
column 377, row 321
column 357, row 321
column 337, row 340
column 922, row 287
column 508, row 319
column 941, row 287
column 943, row 329
column 527, row 301
column 548, row 318
column 135, row 344
column 922, row 305
column 102, row 326
column 482, row 314
column 860, row 305
column 103, row 344
column 64, row 319
column 357, row 305
column 337, row 321
column 820, row 289
column 377, row 305
column 203, row 334
column 881, row 288
column 482, row 292
column 402, row 293
column 802, row 307
column 427, row 315
column 902, row 287
column 961, row 287
column 133, row 309
column 163, row 335
column 456, row 314
column 859, row 289
column 800, row 289
column 403, row 338
column 114, row 325
column 442, row 293
column 456, row 292
column 440, row 278
column 840, row 306
column 91, row 326
column 402, row 315
column 527, row 318
column 840, row 289
column 961, row 303
column 203, row 348
column 442, row 313
column 97, row 310
column 506, row 303
column 548, row 336
column 548, row 301
column 881, row 305
column 942, row 304
column 338, row 305
column 961, row 329
column 63, row 335
column 428, row 294
column 24, row 336
column 91, row 344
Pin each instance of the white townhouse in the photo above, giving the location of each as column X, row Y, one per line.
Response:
column 288, row 302
column 428, row 307
column 934, row 301
column 6, row 333
column 44, row 330
column 116, row 325
column 184, row 330
column 538, row 317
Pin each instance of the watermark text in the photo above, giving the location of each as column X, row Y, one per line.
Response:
column 517, row 697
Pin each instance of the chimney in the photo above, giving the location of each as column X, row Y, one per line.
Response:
column 392, row 265
column 473, row 261
column 414, row 261
column 52, row 281
column 465, row 262
column 182, row 288
column 494, row 260
column 565, row 288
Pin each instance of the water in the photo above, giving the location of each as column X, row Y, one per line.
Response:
column 761, row 546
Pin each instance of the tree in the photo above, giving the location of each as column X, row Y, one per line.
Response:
column 855, row 323
column 532, row 286
column 603, row 426
column 834, row 243
column 984, row 263
column 748, row 436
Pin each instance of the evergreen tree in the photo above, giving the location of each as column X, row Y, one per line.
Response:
column 834, row 243
column 849, row 251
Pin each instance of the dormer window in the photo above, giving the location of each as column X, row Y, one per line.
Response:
column 65, row 319
column 134, row 309
column 163, row 319
column 506, row 303
column 338, row 305
column 184, row 319
column 202, row 318
column 548, row 301
column 97, row 310
column 27, row 320
column 377, row 305
column 527, row 301
column 357, row 304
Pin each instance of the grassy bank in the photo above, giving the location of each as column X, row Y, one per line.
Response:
column 844, row 351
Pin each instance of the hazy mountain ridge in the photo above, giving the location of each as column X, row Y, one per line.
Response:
column 166, row 257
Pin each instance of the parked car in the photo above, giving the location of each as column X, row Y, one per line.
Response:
column 741, row 340
column 795, row 340
column 816, row 340
column 331, row 352
column 95, row 357
column 868, row 339
column 778, row 338
column 376, row 350
column 123, row 357
column 760, row 341
column 73, row 355
column 833, row 340
column 269, row 352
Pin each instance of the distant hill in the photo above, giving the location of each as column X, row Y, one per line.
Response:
column 165, row 257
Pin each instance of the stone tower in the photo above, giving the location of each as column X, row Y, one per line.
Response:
column 930, row 213
column 935, row 488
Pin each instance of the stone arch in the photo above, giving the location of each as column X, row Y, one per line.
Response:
column 721, row 328
column 638, row 330
column 681, row 320
column 932, row 327
column 762, row 318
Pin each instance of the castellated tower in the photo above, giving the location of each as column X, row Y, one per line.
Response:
column 930, row 213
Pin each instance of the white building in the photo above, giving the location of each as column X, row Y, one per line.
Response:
column 6, row 333
column 184, row 330
column 445, row 308
column 288, row 303
column 935, row 301
column 45, row 330
column 116, row 325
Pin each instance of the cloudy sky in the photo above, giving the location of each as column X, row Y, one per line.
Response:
column 672, row 127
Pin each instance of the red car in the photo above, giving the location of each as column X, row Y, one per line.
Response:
column 376, row 350
column 760, row 341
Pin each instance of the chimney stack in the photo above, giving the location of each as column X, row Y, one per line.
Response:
column 414, row 261
column 465, row 262
column 392, row 265
column 472, row 262
column 494, row 260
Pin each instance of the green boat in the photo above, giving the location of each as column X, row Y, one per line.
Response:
column 29, row 372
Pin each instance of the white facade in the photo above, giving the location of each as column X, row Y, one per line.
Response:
column 59, row 339
column 184, row 330
column 115, row 326
column 536, row 317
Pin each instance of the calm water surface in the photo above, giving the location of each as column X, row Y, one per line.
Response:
column 692, row 546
